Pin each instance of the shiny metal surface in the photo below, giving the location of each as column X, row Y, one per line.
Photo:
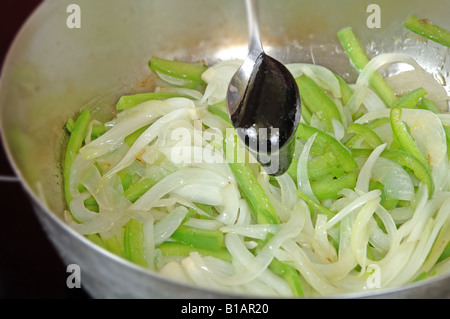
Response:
column 52, row 71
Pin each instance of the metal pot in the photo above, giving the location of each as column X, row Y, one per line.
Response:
column 56, row 67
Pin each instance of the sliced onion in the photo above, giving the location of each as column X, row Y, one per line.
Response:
column 302, row 170
column 288, row 191
column 363, row 80
column 166, row 227
column 109, row 141
column 252, row 231
column 397, row 182
column 319, row 74
column 174, row 181
column 360, row 201
column 148, row 136
column 365, row 174
column 218, row 78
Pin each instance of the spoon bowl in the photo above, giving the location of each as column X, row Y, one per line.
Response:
column 263, row 103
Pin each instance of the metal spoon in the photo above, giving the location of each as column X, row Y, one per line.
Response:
column 263, row 103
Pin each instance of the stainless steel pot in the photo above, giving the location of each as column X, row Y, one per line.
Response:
column 53, row 70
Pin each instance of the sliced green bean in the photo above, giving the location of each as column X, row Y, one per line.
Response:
column 369, row 136
column 134, row 249
column 92, row 204
column 127, row 179
column 180, row 249
column 135, row 191
column 128, row 101
column 79, row 131
column 447, row 137
column 70, row 124
column 427, row 29
column 220, row 109
column 113, row 244
column 306, row 114
column 318, row 101
column 445, row 254
column 404, row 138
column 130, row 139
column 202, row 238
column 359, row 58
column 190, row 73
column 317, row 207
column 346, row 90
column 411, row 99
column 386, row 202
column 290, row 274
column 323, row 166
column 324, row 140
column 262, row 208
column 429, row 105
column 96, row 239
column 330, row 188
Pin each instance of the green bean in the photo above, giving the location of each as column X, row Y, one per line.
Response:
column 70, row 124
column 427, row 29
column 323, row 166
column 128, row 101
column 126, row 178
column 318, row 101
column 379, row 122
column 346, row 90
column 190, row 73
column 169, row 248
column 97, row 131
column 445, row 254
column 386, row 202
column 79, row 131
column 92, row 204
column 262, row 208
column 407, row 160
column 359, row 58
column 404, row 138
column 201, row 238
column 423, row 275
column 326, row 164
column 369, row 136
column 330, row 188
column 130, row 139
column 220, row 109
column 447, row 137
column 96, row 239
column 317, row 207
column 324, row 140
column 410, row 100
column 260, row 205
column 134, row 249
column 114, row 245
column 207, row 209
column 135, row 191
column 290, row 274
column 429, row 105
column 306, row 114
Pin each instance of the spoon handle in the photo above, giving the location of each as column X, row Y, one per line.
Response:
column 255, row 47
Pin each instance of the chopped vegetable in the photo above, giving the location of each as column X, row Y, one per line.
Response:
column 166, row 184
